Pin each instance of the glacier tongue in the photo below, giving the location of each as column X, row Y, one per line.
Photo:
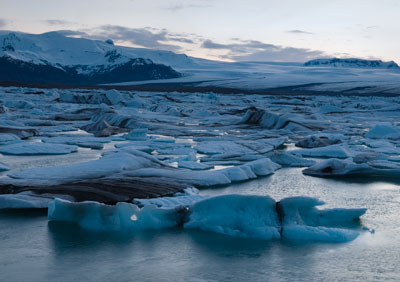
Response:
column 248, row 216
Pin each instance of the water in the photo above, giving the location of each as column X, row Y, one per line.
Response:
column 34, row 250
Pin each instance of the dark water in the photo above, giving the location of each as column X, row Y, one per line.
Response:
column 34, row 250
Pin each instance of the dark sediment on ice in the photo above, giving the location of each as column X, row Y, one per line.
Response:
column 104, row 190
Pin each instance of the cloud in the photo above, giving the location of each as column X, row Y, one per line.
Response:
column 298, row 31
column 3, row 23
column 179, row 7
column 57, row 22
column 145, row 37
column 72, row 33
column 252, row 50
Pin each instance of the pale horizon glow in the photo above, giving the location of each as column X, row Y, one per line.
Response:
column 221, row 29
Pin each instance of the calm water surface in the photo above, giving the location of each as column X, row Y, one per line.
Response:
column 34, row 250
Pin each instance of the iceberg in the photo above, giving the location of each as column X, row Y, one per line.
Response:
column 335, row 167
column 36, row 148
column 8, row 138
column 332, row 151
column 3, row 167
column 236, row 215
column 290, row 160
column 302, row 221
column 383, row 131
column 246, row 216
column 109, row 164
column 251, row 170
column 28, row 200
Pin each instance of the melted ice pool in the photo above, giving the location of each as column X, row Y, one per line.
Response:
column 34, row 250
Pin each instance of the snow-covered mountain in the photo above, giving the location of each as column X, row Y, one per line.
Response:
column 54, row 58
column 352, row 63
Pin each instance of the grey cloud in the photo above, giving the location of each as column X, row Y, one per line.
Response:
column 298, row 31
column 57, row 22
column 178, row 7
column 258, row 51
column 146, row 37
column 67, row 32
column 3, row 23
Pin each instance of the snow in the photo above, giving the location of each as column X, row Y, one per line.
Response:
column 352, row 63
column 333, row 75
column 56, row 49
column 35, row 148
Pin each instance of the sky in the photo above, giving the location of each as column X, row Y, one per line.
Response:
column 230, row 30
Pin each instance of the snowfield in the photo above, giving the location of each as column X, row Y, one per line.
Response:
column 139, row 158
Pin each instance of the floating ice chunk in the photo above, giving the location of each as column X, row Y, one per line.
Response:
column 135, row 102
column 328, row 109
column 101, row 128
column 36, row 148
column 332, row 151
column 302, row 221
column 186, row 199
column 23, row 201
column 194, row 165
column 107, row 165
column 145, row 149
column 8, row 138
column 383, row 131
column 273, row 121
column 288, row 159
column 251, row 170
column 262, row 167
column 3, row 167
column 114, row 97
column 222, row 147
column 382, row 146
column 369, row 156
column 27, row 200
column 316, row 141
column 19, row 104
column 383, row 164
column 246, row 216
column 295, row 232
column 335, row 167
column 236, row 215
column 139, row 134
column 121, row 217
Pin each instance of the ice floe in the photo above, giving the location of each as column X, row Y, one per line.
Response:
column 381, row 131
column 36, row 148
column 332, row 151
column 335, row 167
